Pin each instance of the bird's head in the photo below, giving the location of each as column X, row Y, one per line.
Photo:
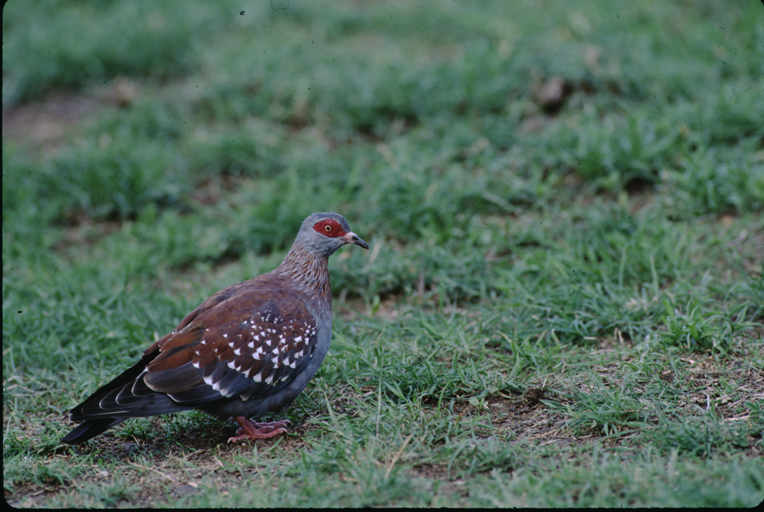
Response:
column 323, row 233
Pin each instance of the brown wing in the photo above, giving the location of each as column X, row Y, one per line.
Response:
column 235, row 352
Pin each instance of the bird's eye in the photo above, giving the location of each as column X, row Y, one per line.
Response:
column 328, row 228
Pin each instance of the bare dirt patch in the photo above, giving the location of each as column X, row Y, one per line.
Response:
column 49, row 123
column 46, row 124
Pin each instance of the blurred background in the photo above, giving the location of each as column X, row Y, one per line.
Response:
column 410, row 118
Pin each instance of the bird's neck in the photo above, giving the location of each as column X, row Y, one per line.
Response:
column 309, row 273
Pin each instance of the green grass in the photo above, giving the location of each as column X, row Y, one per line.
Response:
column 563, row 304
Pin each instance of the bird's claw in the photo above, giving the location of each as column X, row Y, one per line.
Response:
column 251, row 430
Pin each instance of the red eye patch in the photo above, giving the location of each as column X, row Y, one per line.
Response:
column 329, row 227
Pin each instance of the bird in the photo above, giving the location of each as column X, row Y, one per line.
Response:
column 248, row 350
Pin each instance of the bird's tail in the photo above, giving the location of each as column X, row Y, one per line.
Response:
column 127, row 396
column 92, row 426
column 89, row 429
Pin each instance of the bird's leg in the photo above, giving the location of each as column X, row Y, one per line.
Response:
column 251, row 430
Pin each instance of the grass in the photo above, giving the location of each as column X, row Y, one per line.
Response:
column 563, row 304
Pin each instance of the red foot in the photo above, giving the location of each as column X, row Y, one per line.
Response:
column 251, row 430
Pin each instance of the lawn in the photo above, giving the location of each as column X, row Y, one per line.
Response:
column 563, row 302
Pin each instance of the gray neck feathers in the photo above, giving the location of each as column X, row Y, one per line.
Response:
column 309, row 273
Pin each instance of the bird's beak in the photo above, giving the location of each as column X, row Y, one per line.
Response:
column 352, row 238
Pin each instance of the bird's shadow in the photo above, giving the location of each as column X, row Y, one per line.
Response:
column 187, row 432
